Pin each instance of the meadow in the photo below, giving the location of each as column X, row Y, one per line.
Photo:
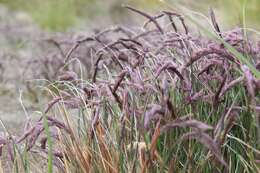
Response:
column 178, row 93
column 62, row 15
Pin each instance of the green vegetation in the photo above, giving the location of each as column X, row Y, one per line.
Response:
column 55, row 15
column 59, row 15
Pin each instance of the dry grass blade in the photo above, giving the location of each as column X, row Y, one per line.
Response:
column 105, row 153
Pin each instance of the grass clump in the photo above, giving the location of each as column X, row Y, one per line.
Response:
column 158, row 99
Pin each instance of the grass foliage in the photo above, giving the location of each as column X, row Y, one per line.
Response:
column 153, row 99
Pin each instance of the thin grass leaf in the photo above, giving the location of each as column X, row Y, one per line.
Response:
column 49, row 141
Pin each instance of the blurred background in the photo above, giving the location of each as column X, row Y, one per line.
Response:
column 62, row 15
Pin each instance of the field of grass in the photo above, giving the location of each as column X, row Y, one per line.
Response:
column 177, row 94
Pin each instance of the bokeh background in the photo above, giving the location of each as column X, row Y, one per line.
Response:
column 61, row 15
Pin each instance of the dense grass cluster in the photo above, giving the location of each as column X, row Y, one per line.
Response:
column 146, row 100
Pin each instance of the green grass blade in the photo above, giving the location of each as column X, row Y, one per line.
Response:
column 49, row 141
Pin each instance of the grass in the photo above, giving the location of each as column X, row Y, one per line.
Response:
column 159, row 99
column 49, row 141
